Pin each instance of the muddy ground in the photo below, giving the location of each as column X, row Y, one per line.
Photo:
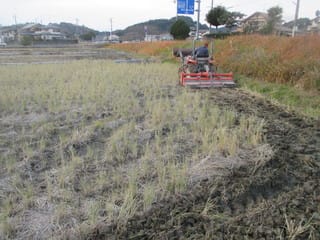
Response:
column 279, row 199
column 276, row 199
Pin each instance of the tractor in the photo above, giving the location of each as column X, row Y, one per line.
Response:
column 200, row 72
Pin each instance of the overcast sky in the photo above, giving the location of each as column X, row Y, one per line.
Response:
column 96, row 14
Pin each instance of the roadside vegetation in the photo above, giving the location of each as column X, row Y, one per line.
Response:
column 285, row 70
column 86, row 142
column 159, row 50
column 292, row 61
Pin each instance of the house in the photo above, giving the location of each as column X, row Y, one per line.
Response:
column 48, row 33
column 166, row 37
column 8, row 34
column 254, row 23
column 112, row 38
column 30, row 28
column 159, row 37
column 40, row 32
column 281, row 30
column 314, row 28
column 2, row 42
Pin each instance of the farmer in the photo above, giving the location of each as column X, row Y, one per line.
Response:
column 202, row 51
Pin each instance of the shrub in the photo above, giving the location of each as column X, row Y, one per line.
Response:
column 26, row 40
column 180, row 29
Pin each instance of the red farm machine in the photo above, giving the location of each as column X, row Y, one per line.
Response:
column 200, row 72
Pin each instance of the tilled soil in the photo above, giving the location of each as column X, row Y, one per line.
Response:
column 278, row 199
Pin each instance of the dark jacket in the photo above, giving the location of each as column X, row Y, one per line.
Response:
column 202, row 52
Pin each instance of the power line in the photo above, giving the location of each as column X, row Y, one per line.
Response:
column 110, row 29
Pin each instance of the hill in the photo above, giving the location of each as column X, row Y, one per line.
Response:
column 73, row 29
column 68, row 30
column 133, row 32
column 154, row 27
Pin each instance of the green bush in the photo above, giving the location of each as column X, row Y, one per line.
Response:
column 180, row 30
column 26, row 40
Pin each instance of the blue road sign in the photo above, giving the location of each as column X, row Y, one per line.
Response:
column 185, row 7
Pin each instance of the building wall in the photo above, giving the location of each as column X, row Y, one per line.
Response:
column 315, row 26
column 254, row 23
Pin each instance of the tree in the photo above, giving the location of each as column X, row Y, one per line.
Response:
column 234, row 19
column 274, row 18
column 318, row 13
column 180, row 29
column 302, row 24
column 26, row 40
column 217, row 16
column 88, row 36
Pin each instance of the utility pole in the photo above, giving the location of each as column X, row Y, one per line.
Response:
column 294, row 29
column 198, row 20
column 15, row 19
column 110, row 29
column 175, row 2
column 210, row 23
column 15, row 22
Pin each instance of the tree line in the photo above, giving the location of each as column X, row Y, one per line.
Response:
column 219, row 16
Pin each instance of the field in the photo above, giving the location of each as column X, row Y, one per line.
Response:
column 93, row 149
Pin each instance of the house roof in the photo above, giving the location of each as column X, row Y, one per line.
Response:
column 254, row 15
column 51, row 26
column 8, row 29
column 31, row 25
column 316, row 20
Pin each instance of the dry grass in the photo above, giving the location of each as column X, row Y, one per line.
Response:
column 275, row 59
column 95, row 140
column 148, row 48
column 295, row 229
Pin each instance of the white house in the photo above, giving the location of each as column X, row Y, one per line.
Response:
column 8, row 34
column 112, row 38
column 49, row 33
column 160, row 37
column 314, row 28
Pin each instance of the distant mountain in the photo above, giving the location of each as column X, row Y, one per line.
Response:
column 73, row 29
column 133, row 32
column 153, row 27
column 69, row 29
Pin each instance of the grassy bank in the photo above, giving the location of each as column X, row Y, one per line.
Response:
column 285, row 70
column 293, row 61
column 162, row 50
column 302, row 101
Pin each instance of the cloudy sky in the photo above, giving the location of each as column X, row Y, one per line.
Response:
column 96, row 14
